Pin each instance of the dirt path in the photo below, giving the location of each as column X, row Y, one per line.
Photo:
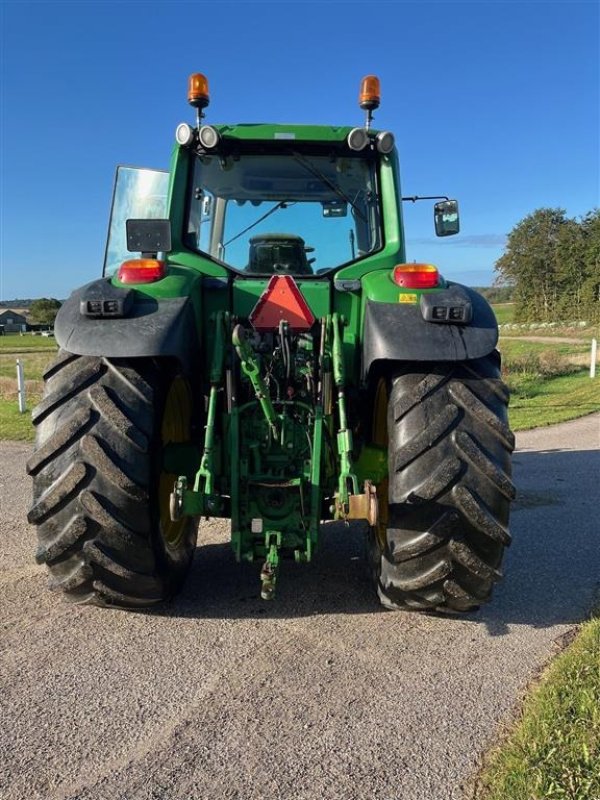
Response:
column 317, row 695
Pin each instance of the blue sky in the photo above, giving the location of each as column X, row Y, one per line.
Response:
column 494, row 103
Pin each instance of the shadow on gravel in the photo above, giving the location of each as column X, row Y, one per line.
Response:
column 552, row 569
column 335, row 582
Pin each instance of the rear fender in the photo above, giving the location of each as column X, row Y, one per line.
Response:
column 100, row 319
column 400, row 332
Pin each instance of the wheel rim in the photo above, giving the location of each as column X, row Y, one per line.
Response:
column 176, row 429
column 379, row 434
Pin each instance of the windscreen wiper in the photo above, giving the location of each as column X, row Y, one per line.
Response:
column 282, row 204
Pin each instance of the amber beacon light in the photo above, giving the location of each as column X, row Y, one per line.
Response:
column 370, row 93
column 198, row 95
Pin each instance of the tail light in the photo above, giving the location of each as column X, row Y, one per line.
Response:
column 142, row 270
column 416, row 276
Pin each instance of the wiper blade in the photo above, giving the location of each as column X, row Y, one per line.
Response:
column 282, row 204
column 308, row 165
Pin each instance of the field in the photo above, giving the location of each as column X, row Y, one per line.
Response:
column 561, row 328
column 15, row 343
column 34, row 352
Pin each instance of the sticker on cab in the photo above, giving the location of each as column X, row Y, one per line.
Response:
column 407, row 298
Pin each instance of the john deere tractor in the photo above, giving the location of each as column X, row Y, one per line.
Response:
column 259, row 349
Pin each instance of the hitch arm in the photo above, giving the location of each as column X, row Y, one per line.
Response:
column 348, row 482
column 251, row 370
column 203, row 499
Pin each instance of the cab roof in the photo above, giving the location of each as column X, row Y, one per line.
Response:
column 263, row 131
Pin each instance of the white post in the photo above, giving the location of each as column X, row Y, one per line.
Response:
column 593, row 359
column 21, row 386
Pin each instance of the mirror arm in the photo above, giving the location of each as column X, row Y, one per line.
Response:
column 414, row 198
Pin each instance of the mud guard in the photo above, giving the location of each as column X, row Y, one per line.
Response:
column 400, row 332
column 127, row 324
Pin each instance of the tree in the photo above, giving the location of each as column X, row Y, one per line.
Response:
column 530, row 263
column 43, row 311
column 553, row 263
column 591, row 254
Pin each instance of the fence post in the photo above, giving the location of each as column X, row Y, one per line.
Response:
column 593, row 359
column 21, row 387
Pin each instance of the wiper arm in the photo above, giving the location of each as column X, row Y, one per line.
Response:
column 282, row 204
column 308, row 165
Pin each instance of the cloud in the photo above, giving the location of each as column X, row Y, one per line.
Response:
column 474, row 240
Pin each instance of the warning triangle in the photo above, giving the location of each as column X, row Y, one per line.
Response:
column 281, row 300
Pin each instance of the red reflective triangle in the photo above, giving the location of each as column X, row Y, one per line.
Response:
column 281, row 299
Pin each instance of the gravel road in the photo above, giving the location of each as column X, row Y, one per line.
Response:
column 317, row 695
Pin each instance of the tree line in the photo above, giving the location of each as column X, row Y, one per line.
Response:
column 44, row 310
column 552, row 263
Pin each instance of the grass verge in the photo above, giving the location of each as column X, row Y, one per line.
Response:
column 539, row 401
column 34, row 364
column 35, row 353
column 13, row 425
column 554, row 751
column 519, row 348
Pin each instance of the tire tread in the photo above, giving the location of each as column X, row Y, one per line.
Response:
column 93, row 468
column 449, row 487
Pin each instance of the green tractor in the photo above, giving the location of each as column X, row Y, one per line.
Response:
column 269, row 357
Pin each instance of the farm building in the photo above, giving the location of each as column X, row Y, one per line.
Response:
column 12, row 322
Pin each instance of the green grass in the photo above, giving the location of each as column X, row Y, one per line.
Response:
column 560, row 330
column 34, row 364
column 13, row 425
column 517, row 347
column 536, row 402
column 504, row 312
column 35, row 353
column 14, row 343
column 554, row 751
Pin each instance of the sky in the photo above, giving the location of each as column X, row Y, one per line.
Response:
column 493, row 103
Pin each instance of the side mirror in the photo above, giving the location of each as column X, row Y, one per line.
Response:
column 445, row 217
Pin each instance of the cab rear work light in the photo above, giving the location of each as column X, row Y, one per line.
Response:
column 416, row 276
column 142, row 270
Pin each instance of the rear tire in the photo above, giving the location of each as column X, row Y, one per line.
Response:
column 449, row 448
column 100, row 495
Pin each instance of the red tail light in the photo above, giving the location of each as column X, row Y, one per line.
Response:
column 416, row 276
column 142, row 270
